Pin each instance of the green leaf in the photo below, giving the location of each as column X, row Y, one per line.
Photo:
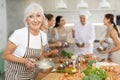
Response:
column 91, row 62
column 66, row 54
column 86, row 78
column 95, row 73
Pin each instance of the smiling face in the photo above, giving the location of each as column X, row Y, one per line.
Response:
column 34, row 19
column 82, row 19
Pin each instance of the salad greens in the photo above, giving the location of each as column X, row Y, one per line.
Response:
column 91, row 62
column 91, row 77
column 94, row 74
column 66, row 54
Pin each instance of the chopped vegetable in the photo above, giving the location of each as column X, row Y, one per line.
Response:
column 94, row 74
column 66, row 54
column 91, row 62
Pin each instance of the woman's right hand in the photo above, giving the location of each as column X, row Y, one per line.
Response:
column 54, row 52
column 58, row 43
column 73, row 33
column 30, row 63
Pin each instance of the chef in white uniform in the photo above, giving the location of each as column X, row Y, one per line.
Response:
column 84, row 32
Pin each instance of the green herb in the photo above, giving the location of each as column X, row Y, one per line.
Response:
column 91, row 77
column 94, row 74
column 66, row 54
column 91, row 62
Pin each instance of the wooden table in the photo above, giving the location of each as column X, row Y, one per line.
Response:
column 56, row 76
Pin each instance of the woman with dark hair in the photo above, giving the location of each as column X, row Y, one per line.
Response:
column 51, row 23
column 59, row 32
column 47, row 28
column 112, row 39
column 58, row 20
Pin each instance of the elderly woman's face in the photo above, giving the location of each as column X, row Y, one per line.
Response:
column 35, row 19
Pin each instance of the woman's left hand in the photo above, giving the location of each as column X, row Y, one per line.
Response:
column 103, row 51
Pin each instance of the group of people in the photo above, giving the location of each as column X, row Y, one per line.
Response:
column 35, row 41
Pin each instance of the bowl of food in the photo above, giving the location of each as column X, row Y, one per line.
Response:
column 101, row 48
column 80, row 44
column 45, row 66
column 65, row 44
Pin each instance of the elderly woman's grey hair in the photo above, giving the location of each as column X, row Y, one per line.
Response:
column 30, row 8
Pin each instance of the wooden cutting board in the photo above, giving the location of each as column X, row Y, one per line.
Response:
column 56, row 76
column 53, row 76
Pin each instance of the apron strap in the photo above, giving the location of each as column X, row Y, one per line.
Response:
column 29, row 40
column 41, row 39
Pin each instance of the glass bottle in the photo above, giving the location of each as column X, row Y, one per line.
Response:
column 78, row 61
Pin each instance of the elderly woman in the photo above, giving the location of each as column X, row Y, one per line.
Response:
column 25, row 44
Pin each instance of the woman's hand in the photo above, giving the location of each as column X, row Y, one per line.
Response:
column 103, row 51
column 58, row 44
column 73, row 33
column 42, row 57
column 54, row 52
column 30, row 63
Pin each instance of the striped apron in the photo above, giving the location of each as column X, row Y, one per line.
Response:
column 19, row 71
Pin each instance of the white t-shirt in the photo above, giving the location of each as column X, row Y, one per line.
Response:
column 20, row 39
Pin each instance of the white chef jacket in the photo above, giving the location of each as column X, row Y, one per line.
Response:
column 86, row 34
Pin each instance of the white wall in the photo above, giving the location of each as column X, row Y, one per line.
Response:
column 71, row 13
column 3, row 26
column 15, row 9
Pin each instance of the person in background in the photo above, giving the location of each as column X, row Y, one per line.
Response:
column 84, row 32
column 50, row 47
column 25, row 45
column 59, row 32
column 51, row 23
column 112, row 39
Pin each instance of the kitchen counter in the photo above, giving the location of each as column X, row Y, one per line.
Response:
column 57, row 76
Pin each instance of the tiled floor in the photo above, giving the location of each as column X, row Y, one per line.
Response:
column 2, row 76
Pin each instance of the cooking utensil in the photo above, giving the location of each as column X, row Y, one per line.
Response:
column 45, row 66
column 78, row 43
column 65, row 45
column 101, row 48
